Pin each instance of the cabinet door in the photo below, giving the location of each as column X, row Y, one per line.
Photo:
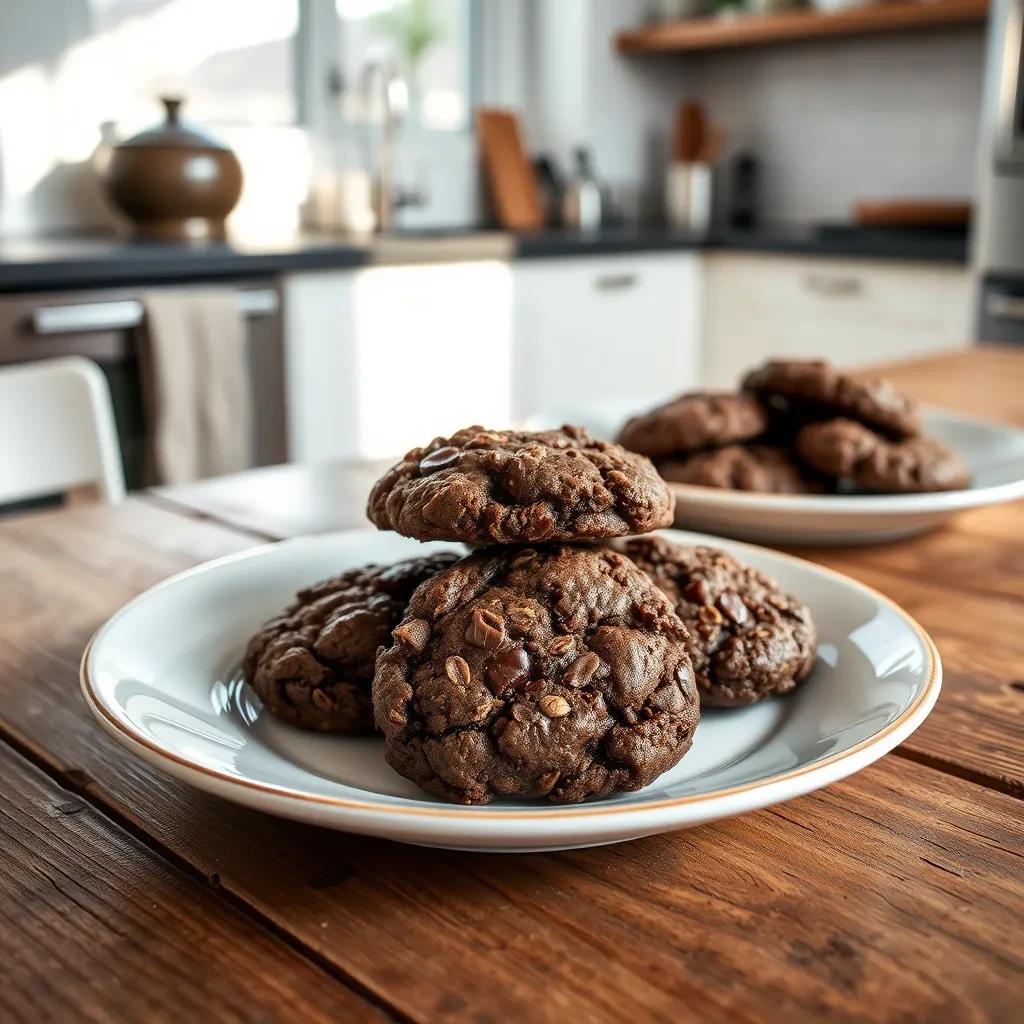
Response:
column 599, row 337
column 433, row 352
column 386, row 358
column 850, row 311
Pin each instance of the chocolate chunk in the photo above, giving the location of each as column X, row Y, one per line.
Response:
column 438, row 458
column 508, row 668
column 486, row 629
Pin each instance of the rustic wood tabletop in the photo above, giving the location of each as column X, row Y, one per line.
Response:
column 896, row 895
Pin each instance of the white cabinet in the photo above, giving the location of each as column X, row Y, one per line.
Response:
column 849, row 311
column 599, row 336
column 383, row 358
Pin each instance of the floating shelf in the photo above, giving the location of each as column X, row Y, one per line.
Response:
column 790, row 26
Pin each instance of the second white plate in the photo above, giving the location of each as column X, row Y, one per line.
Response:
column 994, row 452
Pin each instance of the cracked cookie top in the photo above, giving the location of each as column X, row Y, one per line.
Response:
column 558, row 672
column 852, row 453
column 749, row 638
column 695, row 421
column 515, row 487
column 312, row 665
column 815, row 389
column 756, row 467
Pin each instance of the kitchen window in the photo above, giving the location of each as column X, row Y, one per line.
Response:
column 430, row 42
column 258, row 73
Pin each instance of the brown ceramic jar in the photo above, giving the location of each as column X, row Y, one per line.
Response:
column 173, row 183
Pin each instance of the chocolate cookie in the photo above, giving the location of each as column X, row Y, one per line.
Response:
column 814, row 388
column 691, row 422
column 557, row 672
column 512, row 487
column 742, row 468
column 851, row 452
column 748, row 638
column 312, row 666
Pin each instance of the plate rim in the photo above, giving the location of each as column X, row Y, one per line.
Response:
column 869, row 504
column 909, row 719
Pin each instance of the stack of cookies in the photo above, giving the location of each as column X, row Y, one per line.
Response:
column 558, row 659
column 797, row 426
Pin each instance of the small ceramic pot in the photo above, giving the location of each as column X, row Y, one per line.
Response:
column 173, row 183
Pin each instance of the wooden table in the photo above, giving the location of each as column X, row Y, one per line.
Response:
column 896, row 895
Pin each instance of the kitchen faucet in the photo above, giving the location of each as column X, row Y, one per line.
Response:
column 386, row 99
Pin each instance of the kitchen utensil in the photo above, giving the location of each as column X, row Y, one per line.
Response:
column 712, row 145
column 912, row 213
column 690, row 132
column 174, row 183
column 162, row 678
column 582, row 203
column 688, row 194
column 745, row 196
column 511, row 182
column 551, row 186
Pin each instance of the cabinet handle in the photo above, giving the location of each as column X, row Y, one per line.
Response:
column 831, row 284
column 123, row 314
column 1005, row 307
column 615, row 282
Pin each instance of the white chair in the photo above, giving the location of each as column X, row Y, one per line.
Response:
column 57, row 431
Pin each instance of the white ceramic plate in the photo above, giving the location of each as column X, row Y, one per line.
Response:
column 162, row 677
column 995, row 454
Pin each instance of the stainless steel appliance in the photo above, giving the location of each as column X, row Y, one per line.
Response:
column 100, row 325
column 999, row 234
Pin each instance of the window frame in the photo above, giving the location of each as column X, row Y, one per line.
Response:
column 319, row 73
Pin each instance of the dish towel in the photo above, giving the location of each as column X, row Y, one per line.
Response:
column 194, row 360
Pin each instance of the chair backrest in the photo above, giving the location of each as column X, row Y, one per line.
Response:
column 57, row 431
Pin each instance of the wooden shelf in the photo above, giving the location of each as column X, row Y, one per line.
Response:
column 789, row 26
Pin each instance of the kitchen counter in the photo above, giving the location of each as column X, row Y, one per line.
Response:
column 32, row 265
column 46, row 264
column 826, row 240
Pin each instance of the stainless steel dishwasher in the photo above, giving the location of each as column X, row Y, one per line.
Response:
column 101, row 325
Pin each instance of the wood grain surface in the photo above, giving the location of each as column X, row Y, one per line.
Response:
column 95, row 927
column 893, row 896
column 876, row 885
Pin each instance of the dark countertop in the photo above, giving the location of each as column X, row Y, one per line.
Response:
column 839, row 240
column 32, row 265
column 47, row 264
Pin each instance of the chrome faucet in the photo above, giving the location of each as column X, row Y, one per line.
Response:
column 386, row 100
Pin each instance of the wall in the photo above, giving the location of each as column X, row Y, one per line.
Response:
column 881, row 116
column 41, row 188
column 584, row 93
column 836, row 121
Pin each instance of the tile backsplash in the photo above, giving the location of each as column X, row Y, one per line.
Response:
column 876, row 117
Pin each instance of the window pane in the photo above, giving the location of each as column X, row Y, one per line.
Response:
column 67, row 68
column 430, row 41
column 232, row 59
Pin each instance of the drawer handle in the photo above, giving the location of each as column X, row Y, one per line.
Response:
column 615, row 282
column 1005, row 307
column 123, row 314
column 831, row 284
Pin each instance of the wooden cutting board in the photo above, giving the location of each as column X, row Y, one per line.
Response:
column 912, row 213
column 510, row 179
